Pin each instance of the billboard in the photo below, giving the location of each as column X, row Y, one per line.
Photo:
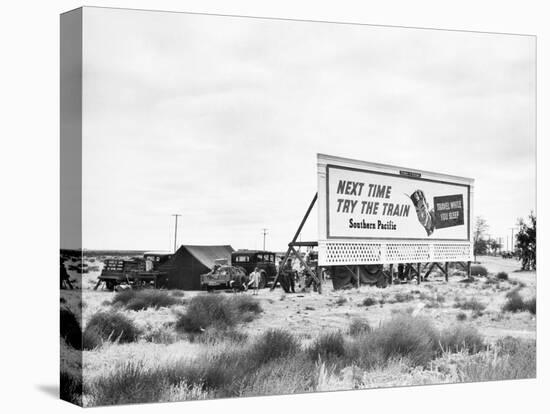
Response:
column 366, row 204
column 367, row 209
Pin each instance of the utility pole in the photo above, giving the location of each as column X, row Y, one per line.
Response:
column 264, row 232
column 176, row 230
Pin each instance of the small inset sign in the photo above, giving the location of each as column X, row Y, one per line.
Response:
column 448, row 211
column 410, row 174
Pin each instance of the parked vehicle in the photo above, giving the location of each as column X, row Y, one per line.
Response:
column 248, row 260
column 137, row 272
column 229, row 277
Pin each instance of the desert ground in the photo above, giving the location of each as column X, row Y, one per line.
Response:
column 486, row 337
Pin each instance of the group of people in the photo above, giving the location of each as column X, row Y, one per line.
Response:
column 287, row 278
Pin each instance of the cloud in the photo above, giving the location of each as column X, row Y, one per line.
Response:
column 220, row 119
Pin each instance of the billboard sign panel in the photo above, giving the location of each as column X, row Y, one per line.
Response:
column 366, row 204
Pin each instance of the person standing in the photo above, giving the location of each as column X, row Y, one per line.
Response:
column 255, row 277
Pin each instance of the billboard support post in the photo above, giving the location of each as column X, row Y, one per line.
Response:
column 291, row 249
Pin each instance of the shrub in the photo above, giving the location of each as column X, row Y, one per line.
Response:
column 129, row 383
column 218, row 311
column 461, row 316
column 502, row 276
column 461, row 337
column 70, row 387
column 359, row 327
column 515, row 303
column 273, row 344
column 513, row 293
column 143, row 299
column 470, row 304
column 368, row 301
column 531, row 305
column 328, row 345
column 106, row 326
column 341, row 300
column 92, row 338
column 70, row 328
column 477, row 270
column 204, row 311
column 245, row 303
column 515, row 359
column 407, row 336
column 402, row 297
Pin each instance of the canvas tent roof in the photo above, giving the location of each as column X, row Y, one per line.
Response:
column 207, row 255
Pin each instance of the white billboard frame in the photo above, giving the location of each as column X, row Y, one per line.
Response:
column 342, row 250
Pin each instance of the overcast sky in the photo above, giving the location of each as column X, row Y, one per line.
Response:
column 220, row 119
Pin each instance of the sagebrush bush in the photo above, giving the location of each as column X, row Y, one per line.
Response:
column 368, row 301
column 327, row 345
column 245, row 303
column 477, row 270
column 219, row 311
column 502, row 276
column 273, row 344
column 402, row 297
column 470, row 304
column 143, row 299
column 109, row 326
column 407, row 336
column 341, row 300
column 358, row 327
column 461, row 316
column 515, row 303
column 461, row 337
column 70, row 328
column 531, row 305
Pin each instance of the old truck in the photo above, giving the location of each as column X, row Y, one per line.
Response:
column 143, row 271
column 264, row 260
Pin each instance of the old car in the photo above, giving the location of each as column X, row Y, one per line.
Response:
column 227, row 277
column 248, row 260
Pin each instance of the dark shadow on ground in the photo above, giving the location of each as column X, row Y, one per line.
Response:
column 50, row 389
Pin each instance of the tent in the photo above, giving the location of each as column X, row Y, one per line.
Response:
column 190, row 262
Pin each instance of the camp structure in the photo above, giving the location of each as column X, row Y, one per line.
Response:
column 189, row 262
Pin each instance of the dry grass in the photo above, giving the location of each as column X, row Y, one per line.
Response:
column 392, row 348
column 399, row 352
